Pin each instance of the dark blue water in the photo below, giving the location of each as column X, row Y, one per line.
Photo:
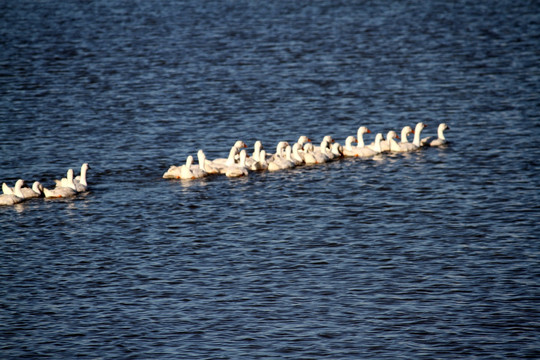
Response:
column 433, row 254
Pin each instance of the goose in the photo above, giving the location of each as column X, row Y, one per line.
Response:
column 349, row 149
column 282, row 162
column 337, row 150
column 390, row 136
column 320, row 152
column 240, row 169
column 14, row 198
column 405, row 145
column 34, row 192
column 80, row 181
column 205, row 164
column 222, row 164
column 184, row 172
column 280, row 151
column 68, row 181
column 439, row 140
column 262, row 163
column 302, row 140
column 296, row 156
column 417, row 131
column 360, row 135
column 374, row 148
column 309, row 157
column 252, row 161
column 62, row 191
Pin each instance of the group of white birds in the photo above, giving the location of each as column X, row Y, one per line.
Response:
column 303, row 152
column 65, row 188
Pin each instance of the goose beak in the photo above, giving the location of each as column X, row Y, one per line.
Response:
column 368, row 131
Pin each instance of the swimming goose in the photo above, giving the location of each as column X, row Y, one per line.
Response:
column 309, row 157
column 390, row 136
column 375, row 147
column 80, row 181
column 14, row 198
column 349, row 149
column 296, row 156
column 417, row 131
column 62, row 191
column 34, row 192
column 439, row 140
column 185, row 172
column 405, row 145
column 360, row 136
column 282, row 162
column 240, row 169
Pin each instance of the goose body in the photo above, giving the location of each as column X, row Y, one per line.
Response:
column 80, row 181
column 16, row 196
column 240, row 169
column 405, row 145
column 436, row 141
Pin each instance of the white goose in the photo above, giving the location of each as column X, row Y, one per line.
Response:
column 439, row 140
column 68, row 181
column 376, row 146
column 252, row 162
column 296, row 156
column 240, row 169
column 282, row 162
column 34, row 192
column 385, row 144
column 349, row 149
column 337, row 150
column 309, row 157
column 417, row 131
column 320, row 152
column 80, row 181
column 184, row 172
column 360, row 136
column 222, row 164
column 62, row 191
column 405, row 145
column 14, row 198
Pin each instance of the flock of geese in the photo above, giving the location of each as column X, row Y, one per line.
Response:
column 65, row 188
column 238, row 163
column 303, row 152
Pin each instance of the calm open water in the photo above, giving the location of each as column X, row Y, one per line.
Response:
column 433, row 254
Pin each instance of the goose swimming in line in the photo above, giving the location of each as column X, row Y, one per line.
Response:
column 439, row 140
column 80, row 181
column 240, row 169
column 417, row 131
column 405, row 145
column 14, row 198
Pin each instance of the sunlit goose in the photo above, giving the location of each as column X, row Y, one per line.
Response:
column 302, row 140
column 405, row 145
column 320, row 152
column 240, row 169
column 337, row 150
column 282, row 162
column 34, row 192
column 309, row 157
column 262, row 163
column 222, row 164
column 417, row 131
column 14, row 198
column 349, row 149
column 80, row 181
column 360, row 135
column 280, row 151
column 205, row 164
column 184, row 172
column 375, row 147
column 386, row 144
column 61, row 191
column 439, row 140
column 68, row 181
column 296, row 156
column 252, row 161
